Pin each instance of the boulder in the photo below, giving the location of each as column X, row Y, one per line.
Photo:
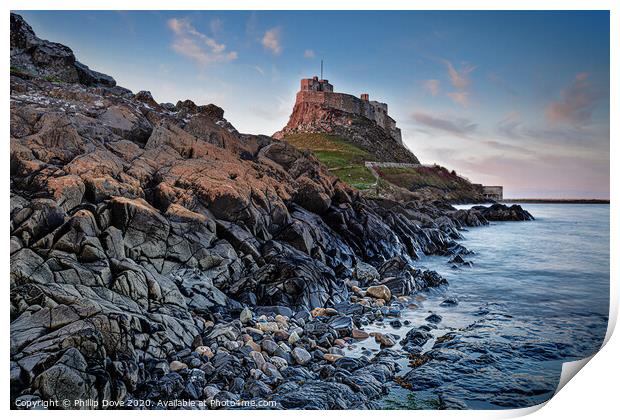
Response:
column 379, row 292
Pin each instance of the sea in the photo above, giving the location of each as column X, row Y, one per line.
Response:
column 535, row 296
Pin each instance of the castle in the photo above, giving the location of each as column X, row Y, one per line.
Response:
column 321, row 92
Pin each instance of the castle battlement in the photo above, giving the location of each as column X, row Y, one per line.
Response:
column 320, row 92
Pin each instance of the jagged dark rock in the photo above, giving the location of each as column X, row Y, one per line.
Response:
column 501, row 212
column 39, row 58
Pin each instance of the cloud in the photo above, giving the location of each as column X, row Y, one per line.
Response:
column 432, row 86
column 271, row 40
column 461, row 98
column 459, row 126
column 309, row 54
column 459, row 78
column 576, row 103
column 191, row 43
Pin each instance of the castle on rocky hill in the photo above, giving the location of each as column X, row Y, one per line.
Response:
column 320, row 92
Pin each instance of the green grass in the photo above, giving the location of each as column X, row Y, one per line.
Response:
column 357, row 176
column 343, row 159
column 415, row 178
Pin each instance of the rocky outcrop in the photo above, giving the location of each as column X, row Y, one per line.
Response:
column 140, row 231
column 360, row 131
column 501, row 212
column 35, row 57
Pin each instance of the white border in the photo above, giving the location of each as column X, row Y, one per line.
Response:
column 592, row 395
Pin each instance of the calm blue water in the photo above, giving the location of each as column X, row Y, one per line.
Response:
column 536, row 296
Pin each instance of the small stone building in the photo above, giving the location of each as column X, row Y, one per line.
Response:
column 493, row 192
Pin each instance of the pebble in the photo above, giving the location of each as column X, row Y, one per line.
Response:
column 396, row 323
column 204, row 351
column 293, row 338
column 176, row 366
column 360, row 334
column 278, row 362
column 301, row 356
column 245, row 316
column 268, row 326
column 210, row 391
column 254, row 345
column 384, row 339
column 269, row 346
column 451, row 301
column 330, row 357
column 323, row 312
column 434, row 318
column 258, row 359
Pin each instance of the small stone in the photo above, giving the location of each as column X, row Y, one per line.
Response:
column 210, row 391
column 358, row 291
column 268, row 326
column 269, row 346
column 258, row 358
column 293, row 338
column 396, row 323
column 176, row 366
column 301, row 356
column 331, row 312
column 379, row 292
column 340, row 342
column 360, row 334
column 384, row 339
column 254, row 345
column 451, row 301
column 278, row 362
column 245, row 316
column 232, row 345
column 204, row 351
column 317, row 312
column 331, row 358
column 433, row 318
column 281, row 335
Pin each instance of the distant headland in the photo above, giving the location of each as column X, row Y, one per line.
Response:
column 556, row 200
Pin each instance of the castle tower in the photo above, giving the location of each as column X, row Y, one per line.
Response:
column 364, row 97
column 316, row 85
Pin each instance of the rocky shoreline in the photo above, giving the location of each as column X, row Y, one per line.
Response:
column 158, row 255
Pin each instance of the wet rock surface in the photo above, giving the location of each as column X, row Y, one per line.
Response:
column 158, row 254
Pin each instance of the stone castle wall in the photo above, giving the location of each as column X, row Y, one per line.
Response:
column 373, row 110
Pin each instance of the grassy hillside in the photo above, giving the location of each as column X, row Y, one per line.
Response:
column 343, row 159
column 346, row 161
column 435, row 180
column 415, row 178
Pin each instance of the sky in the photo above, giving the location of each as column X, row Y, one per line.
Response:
column 519, row 99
